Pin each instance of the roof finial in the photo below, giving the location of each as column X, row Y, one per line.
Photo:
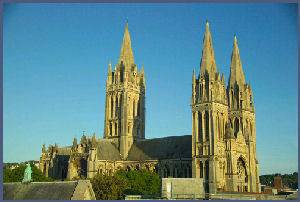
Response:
column 207, row 23
column 235, row 39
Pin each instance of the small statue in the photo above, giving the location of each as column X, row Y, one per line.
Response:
column 27, row 174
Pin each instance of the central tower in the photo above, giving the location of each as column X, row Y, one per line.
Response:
column 125, row 100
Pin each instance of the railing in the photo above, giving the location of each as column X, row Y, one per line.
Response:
column 223, row 196
column 188, row 196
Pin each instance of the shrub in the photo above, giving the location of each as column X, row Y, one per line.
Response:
column 141, row 182
column 108, row 187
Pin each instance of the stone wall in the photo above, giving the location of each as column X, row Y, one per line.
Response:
column 182, row 188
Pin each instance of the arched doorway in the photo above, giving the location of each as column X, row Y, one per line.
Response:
column 242, row 181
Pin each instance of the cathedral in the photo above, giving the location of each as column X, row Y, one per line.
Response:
column 221, row 149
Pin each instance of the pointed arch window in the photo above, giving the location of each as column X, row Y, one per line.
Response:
column 201, row 169
column 236, row 126
column 219, row 127
column 138, row 107
column 133, row 108
column 116, row 129
column 111, row 106
column 120, row 103
column 206, row 117
column 110, row 129
column 200, row 130
column 206, row 170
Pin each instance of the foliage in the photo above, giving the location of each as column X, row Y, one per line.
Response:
column 289, row 180
column 108, row 187
column 17, row 174
column 141, row 182
column 126, row 183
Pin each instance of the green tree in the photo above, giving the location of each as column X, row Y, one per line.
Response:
column 108, row 187
column 17, row 174
column 126, row 183
column 141, row 182
column 289, row 180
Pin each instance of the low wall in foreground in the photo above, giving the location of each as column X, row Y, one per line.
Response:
column 182, row 188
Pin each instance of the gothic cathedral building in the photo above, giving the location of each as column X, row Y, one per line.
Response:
column 223, row 125
column 221, row 149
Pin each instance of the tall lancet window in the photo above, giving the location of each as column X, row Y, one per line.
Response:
column 110, row 129
column 201, row 90
column 206, row 117
column 219, row 127
column 236, row 126
column 200, row 130
column 112, row 106
column 117, row 103
column 138, row 108
column 120, row 103
column 133, row 108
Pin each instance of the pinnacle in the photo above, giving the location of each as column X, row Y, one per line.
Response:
column 109, row 67
column 235, row 39
column 207, row 23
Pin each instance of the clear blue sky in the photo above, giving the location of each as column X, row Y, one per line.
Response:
column 56, row 58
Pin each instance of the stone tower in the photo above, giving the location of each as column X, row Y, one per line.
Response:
column 242, row 121
column 125, row 100
column 223, row 125
column 209, row 115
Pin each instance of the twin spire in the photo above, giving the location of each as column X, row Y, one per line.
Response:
column 126, row 55
column 208, row 62
column 236, row 69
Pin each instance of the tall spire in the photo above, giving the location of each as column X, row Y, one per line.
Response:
column 236, row 69
column 208, row 63
column 126, row 51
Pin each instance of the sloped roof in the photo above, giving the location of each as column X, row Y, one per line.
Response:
column 162, row 148
column 107, row 151
column 39, row 190
column 68, row 190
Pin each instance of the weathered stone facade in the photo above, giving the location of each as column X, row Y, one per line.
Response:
column 221, row 149
column 223, row 127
